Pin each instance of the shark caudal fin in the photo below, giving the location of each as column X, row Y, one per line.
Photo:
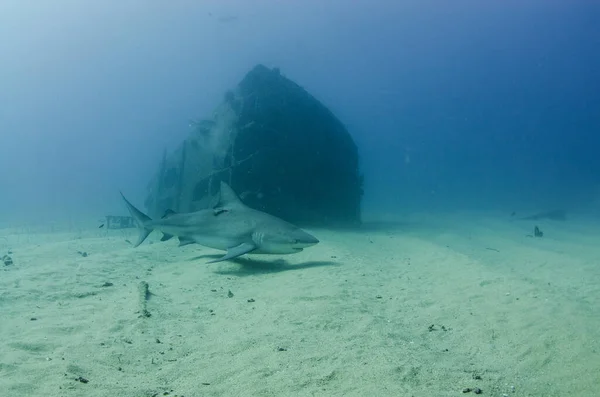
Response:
column 141, row 220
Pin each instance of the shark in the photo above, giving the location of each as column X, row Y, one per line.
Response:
column 229, row 226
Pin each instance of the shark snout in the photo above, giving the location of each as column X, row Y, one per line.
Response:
column 304, row 240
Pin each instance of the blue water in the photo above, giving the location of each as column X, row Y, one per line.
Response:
column 484, row 108
column 474, row 104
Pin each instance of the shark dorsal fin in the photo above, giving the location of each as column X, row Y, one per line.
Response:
column 228, row 197
column 168, row 213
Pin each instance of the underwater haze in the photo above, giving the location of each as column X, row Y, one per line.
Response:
column 476, row 269
column 461, row 105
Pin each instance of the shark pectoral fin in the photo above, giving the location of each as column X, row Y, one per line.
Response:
column 183, row 241
column 236, row 251
column 166, row 237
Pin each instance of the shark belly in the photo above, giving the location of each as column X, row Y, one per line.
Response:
column 208, row 240
column 219, row 230
column 216, row 242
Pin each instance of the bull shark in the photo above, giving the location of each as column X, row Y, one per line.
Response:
column 229, row 226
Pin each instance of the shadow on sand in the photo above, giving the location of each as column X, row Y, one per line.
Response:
column 249, row 267
column 382, row 226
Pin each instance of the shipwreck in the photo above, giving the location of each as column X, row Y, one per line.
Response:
column 277, row 146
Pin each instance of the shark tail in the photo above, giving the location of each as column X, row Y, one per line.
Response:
column 141, row 220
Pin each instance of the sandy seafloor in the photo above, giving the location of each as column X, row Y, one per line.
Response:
column 426, row 306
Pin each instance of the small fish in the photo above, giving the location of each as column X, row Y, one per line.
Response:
column 101, row 226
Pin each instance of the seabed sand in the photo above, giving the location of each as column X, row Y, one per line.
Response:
column 424, row 307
